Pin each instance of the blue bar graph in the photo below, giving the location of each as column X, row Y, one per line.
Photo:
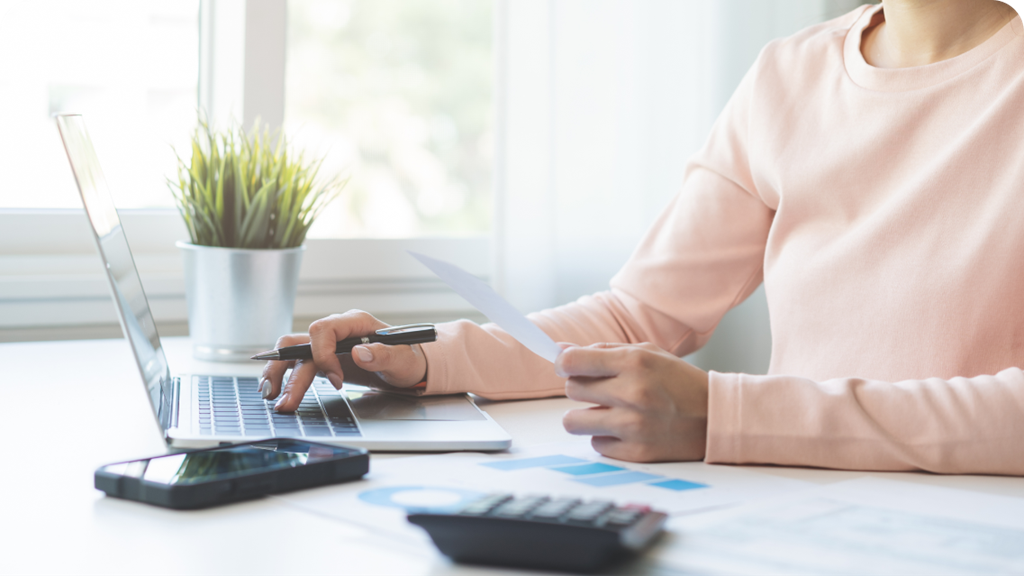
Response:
column 589, row 468
column 618, row 478
column 678, row 485
column 598, row 474
column 540, row 462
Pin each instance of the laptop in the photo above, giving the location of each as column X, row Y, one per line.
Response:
column 196, row 411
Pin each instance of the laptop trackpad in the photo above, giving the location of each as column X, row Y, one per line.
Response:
column 372, row 405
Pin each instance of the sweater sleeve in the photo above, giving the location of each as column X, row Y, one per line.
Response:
column 702, row 256
column 956, row 426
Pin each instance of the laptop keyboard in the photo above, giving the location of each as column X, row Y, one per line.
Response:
column 231, row 406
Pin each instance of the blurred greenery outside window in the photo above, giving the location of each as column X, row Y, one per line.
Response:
column 397, row 94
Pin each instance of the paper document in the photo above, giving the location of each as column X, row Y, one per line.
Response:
column 395, row 486
column 864, row 526
column 494, row 307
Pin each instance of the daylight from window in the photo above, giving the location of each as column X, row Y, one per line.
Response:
column 129, row 66
column 397, row 95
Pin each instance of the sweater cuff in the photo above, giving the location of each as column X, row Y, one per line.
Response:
column 724, row 417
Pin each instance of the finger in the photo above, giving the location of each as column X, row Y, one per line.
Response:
column 567, row 345
column 299, row 381
column 612, row 447
column 563, row 347
column 585, row 361
column 630, row 451
column 324, row 336
column 397, row 365
column 595, row 421
column 603, row 391
column 606, row 359
column 273, row 372
column 609, row 345
column 644, row 345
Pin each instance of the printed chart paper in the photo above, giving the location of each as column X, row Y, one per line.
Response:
column 446, row 482
column 493, row 306
column 864, row 526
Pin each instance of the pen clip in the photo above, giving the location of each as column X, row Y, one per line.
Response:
column 403, row 329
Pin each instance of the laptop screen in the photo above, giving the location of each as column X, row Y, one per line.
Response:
column 130, row 300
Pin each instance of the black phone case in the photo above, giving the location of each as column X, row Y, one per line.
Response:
column 201, row 495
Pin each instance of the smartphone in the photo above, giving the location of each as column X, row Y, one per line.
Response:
column 213, row 476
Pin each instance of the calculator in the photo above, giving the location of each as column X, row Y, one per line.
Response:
column 542, row 532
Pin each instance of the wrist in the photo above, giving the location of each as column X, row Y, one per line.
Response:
column 422, row 384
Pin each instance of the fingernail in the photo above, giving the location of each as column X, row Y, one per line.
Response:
column 335, row 381
column 266, row 389
column 364, row 354
column 559, row 371
column 280, row 402
column 262, row 382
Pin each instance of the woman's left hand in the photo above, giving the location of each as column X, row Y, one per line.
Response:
column 651, row 406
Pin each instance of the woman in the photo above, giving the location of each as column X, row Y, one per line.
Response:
column 869, row 171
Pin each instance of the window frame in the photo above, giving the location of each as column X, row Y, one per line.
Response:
column 51, row 274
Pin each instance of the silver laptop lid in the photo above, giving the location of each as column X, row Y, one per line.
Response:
column 132, row 306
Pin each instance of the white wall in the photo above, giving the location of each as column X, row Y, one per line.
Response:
column 603, row 102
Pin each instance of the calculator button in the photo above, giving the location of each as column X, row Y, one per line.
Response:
column 589, row 512
column 622, row 517
column 485, row 504
column 554, row 509
column 519, row 507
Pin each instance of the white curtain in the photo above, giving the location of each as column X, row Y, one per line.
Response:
column 600, row 104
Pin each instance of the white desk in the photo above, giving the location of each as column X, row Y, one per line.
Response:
column 70, row 407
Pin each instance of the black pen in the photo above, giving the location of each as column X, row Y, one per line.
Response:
column 392, row 336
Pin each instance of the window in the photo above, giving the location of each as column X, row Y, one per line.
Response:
column 397, row 93
column 139, row 70
column 130, row 66
column 595, row 107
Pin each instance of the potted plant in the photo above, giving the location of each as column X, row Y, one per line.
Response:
column 247, row 202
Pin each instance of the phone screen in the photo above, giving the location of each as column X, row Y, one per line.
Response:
column 227, row 462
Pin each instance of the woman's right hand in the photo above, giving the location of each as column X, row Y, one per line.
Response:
column 401, row 366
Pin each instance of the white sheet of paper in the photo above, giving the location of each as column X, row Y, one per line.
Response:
column 493, row 306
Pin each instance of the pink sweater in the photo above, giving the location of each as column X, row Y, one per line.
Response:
column 884, row 211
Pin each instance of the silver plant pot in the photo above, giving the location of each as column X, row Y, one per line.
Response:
column 239, row 301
